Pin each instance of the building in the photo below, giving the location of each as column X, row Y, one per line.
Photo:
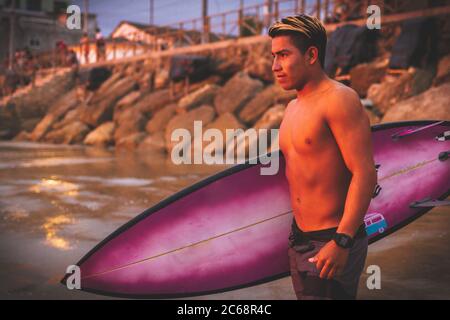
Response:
column 37, row 25
column 162, row 37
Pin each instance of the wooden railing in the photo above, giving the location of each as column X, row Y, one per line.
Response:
column 248, row 21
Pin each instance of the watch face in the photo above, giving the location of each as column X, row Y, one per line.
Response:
column 344, row 241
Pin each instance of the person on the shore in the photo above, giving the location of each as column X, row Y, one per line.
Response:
column 325, row 138
column 62, row 51
column 85, row 47
column 100, row 46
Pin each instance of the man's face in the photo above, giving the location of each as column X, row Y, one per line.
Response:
column 289, row 65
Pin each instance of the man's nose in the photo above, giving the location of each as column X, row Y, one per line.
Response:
column 275, row 65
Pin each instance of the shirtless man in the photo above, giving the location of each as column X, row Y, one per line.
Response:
column 325, row 138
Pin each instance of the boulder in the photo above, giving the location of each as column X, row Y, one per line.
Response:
column 73, row 133
column 204, row 95
column 284, row 96
column 222, row 123
column 160, row 119
column 154, row 143
column 186, row 120
column 443, row 71
column 393, row 89
column 130, row 122
column 253, row 110
column 71, row 116
column 130, row 142
column 432, row 104
column 95, row 114
column 259, row 62
column 102, row 136
column 364, row 75
column 152, row 102
column 161, row 79
column 261, row 68
column 106, row 86
column 56, row 112
column 128, row 101
column 23, row 136
column 236, row 93
column 272, row 118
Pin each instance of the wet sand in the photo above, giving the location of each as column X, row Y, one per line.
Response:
column 57, row 202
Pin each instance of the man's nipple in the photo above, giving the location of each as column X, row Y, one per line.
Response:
column 308, row 141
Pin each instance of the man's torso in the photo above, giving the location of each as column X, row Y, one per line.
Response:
column 316, row 172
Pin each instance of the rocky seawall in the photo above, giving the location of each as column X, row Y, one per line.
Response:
column 138, row 107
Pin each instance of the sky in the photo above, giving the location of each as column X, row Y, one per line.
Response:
column 111, row 12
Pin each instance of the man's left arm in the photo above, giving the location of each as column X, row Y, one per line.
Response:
column 350, row 126
column 351, row 129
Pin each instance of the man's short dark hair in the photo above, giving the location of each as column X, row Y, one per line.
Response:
column 305, row 31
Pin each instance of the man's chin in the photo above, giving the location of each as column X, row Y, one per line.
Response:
column 285, row 86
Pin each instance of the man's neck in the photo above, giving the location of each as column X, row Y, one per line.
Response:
column 315, row 84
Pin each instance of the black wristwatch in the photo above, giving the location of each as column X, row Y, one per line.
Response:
column 343, row 240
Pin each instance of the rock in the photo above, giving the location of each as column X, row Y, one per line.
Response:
column 204, row 113
column 365, row 74
column 160, row 119
column 106, row 86
column 272, row 118
column 95, row 114
column 373, row 118
column 130, row 142
column 259, row 62
column 132, row 121
column 29, row 124
column 128, row 101
column 443, row 71
column 284, row 96
column 431, row 104
column 58, row 110
column 161, row 79
column 392, row 90
column 152, row 102
column 9, row 122
column 372, row 112
column 102, row 136
column 222, row 123
column 33, row 102
column 154, row 143
column 204, row 95
column 253, row 110
column 70, row 117
column 261, row 68
column 236, row 93
column 23, row 136
column 73, row 133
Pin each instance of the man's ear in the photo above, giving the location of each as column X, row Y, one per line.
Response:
column 312, row 55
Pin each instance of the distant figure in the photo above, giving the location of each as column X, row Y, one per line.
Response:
column 61, row 49
column 85, row 47
column 31, row 66
column 73, row 63
column 100, row 46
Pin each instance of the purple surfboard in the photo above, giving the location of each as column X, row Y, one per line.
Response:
column 231, row 230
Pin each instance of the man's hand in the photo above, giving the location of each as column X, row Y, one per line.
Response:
column 330, row 260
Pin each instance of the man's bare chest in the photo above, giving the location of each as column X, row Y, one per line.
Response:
column 304, row 131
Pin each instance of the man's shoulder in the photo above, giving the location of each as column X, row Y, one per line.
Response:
column 343, row 101
column 342, row 92
column 291, row 103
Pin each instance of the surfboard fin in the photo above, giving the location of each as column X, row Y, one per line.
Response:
column 444, row 155
column 443, row 136
column 408, row 132
column 428, row 203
